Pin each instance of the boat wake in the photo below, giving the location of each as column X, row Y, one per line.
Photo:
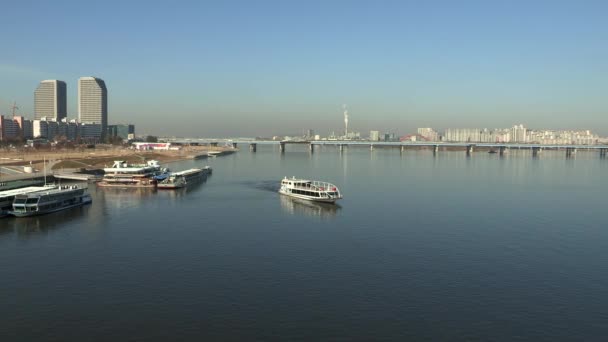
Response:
column 269, row 185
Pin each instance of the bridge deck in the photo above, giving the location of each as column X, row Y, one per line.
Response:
column 390, row 143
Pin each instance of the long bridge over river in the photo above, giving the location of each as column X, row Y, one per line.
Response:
column 403, row 145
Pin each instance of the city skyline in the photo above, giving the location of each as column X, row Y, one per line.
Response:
column 272, row 67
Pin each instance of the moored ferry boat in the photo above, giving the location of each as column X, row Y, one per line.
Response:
column 180, row 179
column 123, row 175
column 8, row 196
column 45, row 202
column 310, row 190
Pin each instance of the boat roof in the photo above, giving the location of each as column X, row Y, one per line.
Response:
column 297, row 180
column 121, row 165
column 56, row 190
column 21, row 191
column 129, row 169
column 186, row 172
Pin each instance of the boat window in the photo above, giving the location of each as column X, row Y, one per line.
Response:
column 19, row 200
column 32, row 200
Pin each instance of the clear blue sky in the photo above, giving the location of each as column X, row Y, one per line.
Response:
column 246, row 68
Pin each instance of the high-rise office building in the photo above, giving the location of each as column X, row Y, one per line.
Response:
column 50, row 100
column 93, row 103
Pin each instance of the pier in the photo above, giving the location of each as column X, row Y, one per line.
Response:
column 76, row 176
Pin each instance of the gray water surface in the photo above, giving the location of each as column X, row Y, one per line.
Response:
column 439, row 248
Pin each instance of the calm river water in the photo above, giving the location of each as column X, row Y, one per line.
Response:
column 421, row 247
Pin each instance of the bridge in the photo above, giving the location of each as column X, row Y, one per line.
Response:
column 404, row 145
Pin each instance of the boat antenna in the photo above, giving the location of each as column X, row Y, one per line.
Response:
column 44, row 168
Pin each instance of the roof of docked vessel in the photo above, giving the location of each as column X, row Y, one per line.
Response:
column 122, row 167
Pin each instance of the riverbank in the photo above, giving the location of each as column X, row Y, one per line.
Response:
column 14, row 161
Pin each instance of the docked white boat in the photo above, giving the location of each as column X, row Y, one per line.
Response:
column 310, row 190
column 180, row 179
column 123, row 175
column 8, row 196
column 45, row 202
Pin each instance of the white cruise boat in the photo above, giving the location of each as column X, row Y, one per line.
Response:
column 8, row 196
column 45, row 202
column 123, row 175
column 310, row 190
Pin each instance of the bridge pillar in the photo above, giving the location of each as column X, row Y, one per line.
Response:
column 282, row 147
column 570, row 151
column 535, row 151
column 311, row 147
column 435, row 149
column 253, row 147
column 402, row 149
column 371, row 147
column 501, row 150
column 214, row 144
column 341, row 147
column 233, row 145
column 469, row 149
column 602, row 153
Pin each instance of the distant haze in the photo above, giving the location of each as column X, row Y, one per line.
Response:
column 262, row 68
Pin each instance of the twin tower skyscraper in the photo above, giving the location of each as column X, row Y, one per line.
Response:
column 50, row 101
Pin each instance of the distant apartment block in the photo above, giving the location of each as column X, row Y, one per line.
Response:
column 310, row 134
column 41, row 128
column 93, row 105
column 374, row 135
column 51, row 129
column 428, row 134
column 520, row 135
column 91, row 132
column 477, row 135
column 390, row 137
column 553, row 137
column 9, row 128
column 50, row 100
column 353, row 135
column 124, row 132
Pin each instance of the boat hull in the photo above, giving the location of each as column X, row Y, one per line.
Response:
column 123, row 186
column 179, row 181
column 170, row 186
column 85, row 200
column 309, row 198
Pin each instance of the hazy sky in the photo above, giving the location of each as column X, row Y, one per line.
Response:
column 247, row 68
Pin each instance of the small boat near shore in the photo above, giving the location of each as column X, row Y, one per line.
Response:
column 180, row 179
column 49, row 201
column 310, row 190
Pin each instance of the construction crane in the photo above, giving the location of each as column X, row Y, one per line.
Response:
column 14, row 107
